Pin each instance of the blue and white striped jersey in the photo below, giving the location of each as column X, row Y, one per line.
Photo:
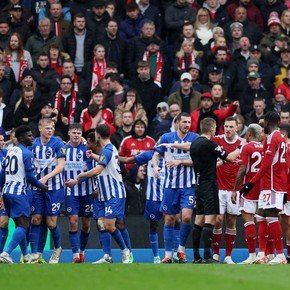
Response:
column 179, row 176
column 76, row 162
column 155, row 186
column 110, row 180
column 95, row 179
column 45, row 160
column 16, row 165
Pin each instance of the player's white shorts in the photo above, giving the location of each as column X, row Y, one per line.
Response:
column 248, row 206
column 286, row 209
column 271, row 199
column 226, row 205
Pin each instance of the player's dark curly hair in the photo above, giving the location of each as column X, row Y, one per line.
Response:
column 21, row 131
column 272, row 117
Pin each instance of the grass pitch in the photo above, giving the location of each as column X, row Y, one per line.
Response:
column 144, row 276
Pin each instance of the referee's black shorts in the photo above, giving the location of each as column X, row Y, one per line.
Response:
column 207, row 198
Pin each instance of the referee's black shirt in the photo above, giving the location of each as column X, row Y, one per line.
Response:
column 204, row 154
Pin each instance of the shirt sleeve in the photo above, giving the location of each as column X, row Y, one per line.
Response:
column 161, row 150
column 60, row 150
column 244, row 156
column 144, row 157
column 105, row 157
column 219, row 151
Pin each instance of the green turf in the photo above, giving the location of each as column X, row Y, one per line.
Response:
column 144, row 276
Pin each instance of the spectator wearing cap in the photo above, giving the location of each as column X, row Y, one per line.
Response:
column 217, row 35
column 16, row 56
column 195, row 71
column 115, row 47
column 259, row 110
column 40, row 41
column 217, row 12
column 236, row 34
column 268, row 42
column 138, row 45
column 187, row 98
column 4, row 33
column 280, row 68
column 97, row 19
column 27, row 81
column 160, row 69
column 253, row 12
column 149, row 92
column 285, row 22
column 270, row 6
column 46, row 111
column 254, row 89
column 162, row 122
column 132, row 25
column 45, row 78
column 285, row 86
column 250, row 28
column 206, row 110
column 213, row 75
column 185, row 57
column 151, row 12
column 17, row 23
column 175, row 16
column 279, row 99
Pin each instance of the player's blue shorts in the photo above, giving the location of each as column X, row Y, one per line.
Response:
column 16, row 205
column 96, row 205
column 152, row 210
column 175, row 199
column 30, row 193
column 47, row 203
column 79, row 205
column 113, row 208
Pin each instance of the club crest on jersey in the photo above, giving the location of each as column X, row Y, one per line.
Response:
column 69, row 209
column 152, row 216
column 48, row 152
column 79, row 156
column 62, row 150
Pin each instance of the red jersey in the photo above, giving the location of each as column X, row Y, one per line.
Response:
column 273, row 171
column 288, row 176
column 251, row 157
column 132, row 146
column 227, row 173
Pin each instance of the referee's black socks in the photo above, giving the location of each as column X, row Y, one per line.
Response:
column 196, row 235
column 207, row 239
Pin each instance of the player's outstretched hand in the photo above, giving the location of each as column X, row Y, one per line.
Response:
column 71, row 183
column 246, row 188
column 167, row 145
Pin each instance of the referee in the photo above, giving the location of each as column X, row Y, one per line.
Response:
column 204, row 154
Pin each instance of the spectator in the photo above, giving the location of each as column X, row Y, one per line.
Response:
column 124, row 130
column 26, row 108
column 132, row 25
column 91, row 115
column 4, row 33
column 253, row 90
column 236, row 29
column 135, row 185
column 115, row 47
column 17, row 23
column 218, row 97
column 39, row 42
column 149, row 92
column 280, row 68
column 213, row 76
column 136, row 143
column 272, row 5
column 56, row 58
column 185, row 57
column 258, row 111
column 59, row 25
column 151, row 12
column 285, row 22
column 217, row 12
column 5, row 84
column 175, row 16
column 285, row 115
column 203, row 26
column 186, row 97
column 7, row 122
column 67, row 105
column 45, row 78
column 279, row 99
column 97, row 19
column 130, row 103
column 241, row 128
column 116, row 90
column 206, row 110
column 79, row 43
column 16, row 57
column 285, row 85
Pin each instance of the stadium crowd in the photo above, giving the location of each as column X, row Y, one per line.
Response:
column 137, row 72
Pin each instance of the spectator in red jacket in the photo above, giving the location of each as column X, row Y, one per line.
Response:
column 206, row 110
